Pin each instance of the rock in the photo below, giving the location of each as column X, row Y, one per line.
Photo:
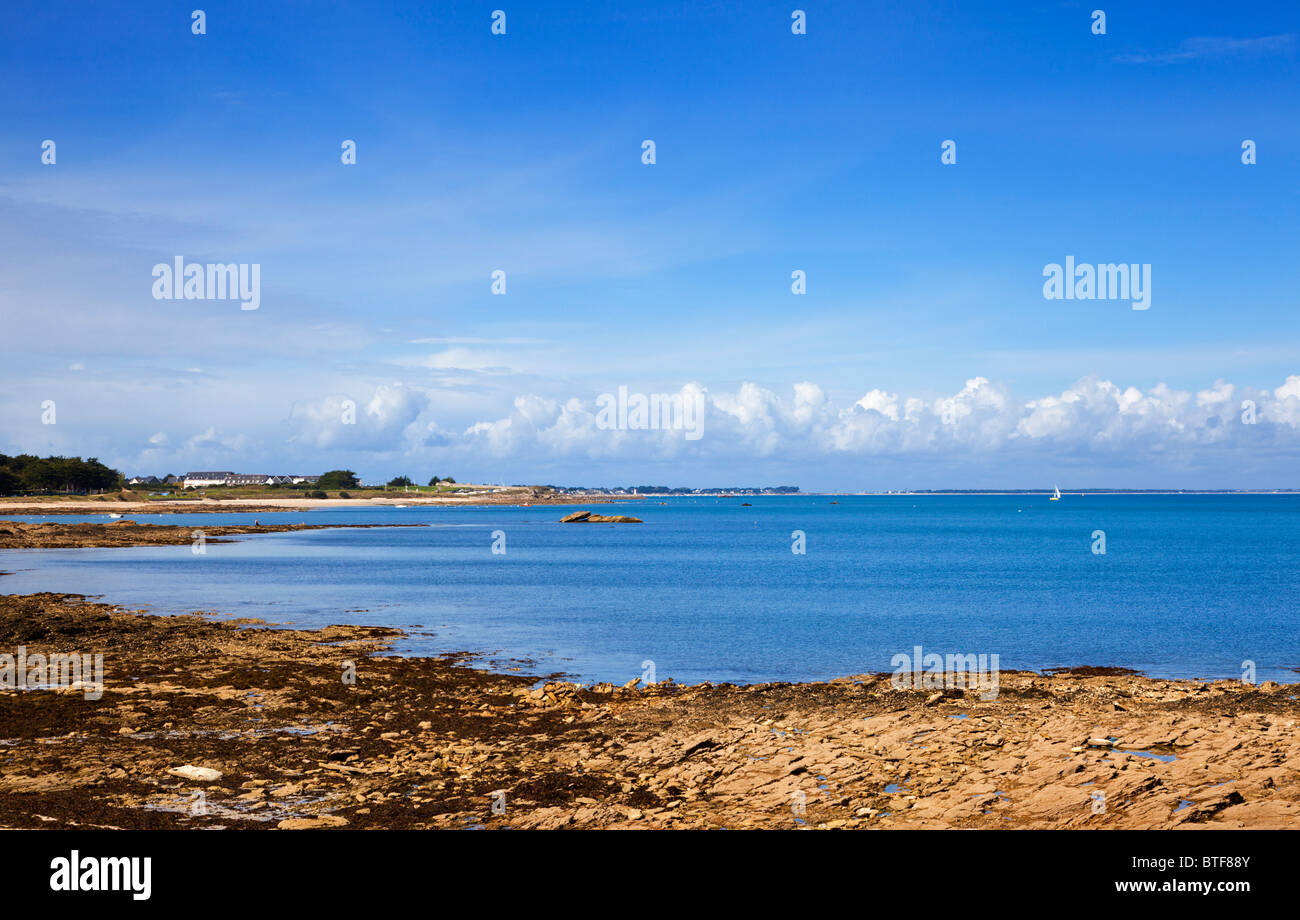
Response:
column 196, row 774
column 704, row 743
column 582, row 517
column 934, row 699
column 301, row 824
column 1209, row 801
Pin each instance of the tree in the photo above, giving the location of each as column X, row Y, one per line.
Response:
column 60, row 474
column 400, row 482
column 450, row 480
column 9, row 483
column 338, row 479
column 434, row 482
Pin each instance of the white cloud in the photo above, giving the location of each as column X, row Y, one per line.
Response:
column 1104, row 431
column 380, row 423
column 212, row 441
column 1091, row 416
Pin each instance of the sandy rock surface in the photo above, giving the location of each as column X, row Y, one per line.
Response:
column 430, row 742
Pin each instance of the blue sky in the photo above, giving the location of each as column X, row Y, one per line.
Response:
column 775, row 152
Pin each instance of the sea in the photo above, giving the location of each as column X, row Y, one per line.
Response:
column 754, row 589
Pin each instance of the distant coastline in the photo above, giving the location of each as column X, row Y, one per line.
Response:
column 1078, row 492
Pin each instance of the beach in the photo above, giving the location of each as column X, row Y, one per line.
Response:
column 211, row 720
column 207, row 723
column 131, row 502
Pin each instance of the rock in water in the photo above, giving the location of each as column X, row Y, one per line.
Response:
column 586, row 517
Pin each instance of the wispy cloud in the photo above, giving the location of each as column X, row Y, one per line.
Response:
column 1215, row 47
column 468, row 340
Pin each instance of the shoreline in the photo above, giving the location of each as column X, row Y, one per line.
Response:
column 116, row 505
column 23, row 535
column 54, row 505
column 434, row 743
column 54, row 535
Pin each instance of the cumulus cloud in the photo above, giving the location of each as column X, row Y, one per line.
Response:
column 1284, row 407
column 1095, row 426
column 1092, row 416
column 216, row 442
column 379, row 423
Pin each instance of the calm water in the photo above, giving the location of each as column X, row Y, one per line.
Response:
column 1190, row 586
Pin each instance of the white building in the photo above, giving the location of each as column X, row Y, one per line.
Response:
column 227, row 478
column 199, row 480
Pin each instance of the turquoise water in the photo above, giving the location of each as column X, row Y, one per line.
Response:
column 707, row 589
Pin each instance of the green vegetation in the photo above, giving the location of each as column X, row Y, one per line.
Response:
column 28, row 473
column 398, row 482
column 337, row 479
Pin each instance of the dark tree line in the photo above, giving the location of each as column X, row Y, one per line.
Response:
column 338, row 479
column 28, row 473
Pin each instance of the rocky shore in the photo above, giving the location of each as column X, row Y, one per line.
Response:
column 233, row 724
column 26, row 535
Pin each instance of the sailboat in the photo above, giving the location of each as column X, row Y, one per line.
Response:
column 1056, row 497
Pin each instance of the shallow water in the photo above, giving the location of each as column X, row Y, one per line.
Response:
column 707, row 589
